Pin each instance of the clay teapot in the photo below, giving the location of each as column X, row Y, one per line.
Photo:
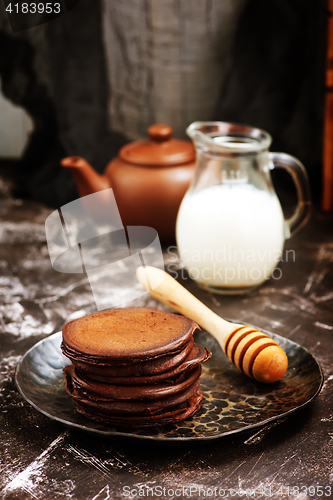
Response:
column 149, row 179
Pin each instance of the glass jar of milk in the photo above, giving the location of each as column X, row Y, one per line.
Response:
column 230, row 227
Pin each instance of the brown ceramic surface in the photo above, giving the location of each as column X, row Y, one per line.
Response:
column 149, row 179
column 159, row 149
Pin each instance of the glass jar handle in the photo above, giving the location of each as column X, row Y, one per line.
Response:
column 300, row 177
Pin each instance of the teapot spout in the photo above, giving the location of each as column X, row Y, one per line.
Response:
column 87, row 180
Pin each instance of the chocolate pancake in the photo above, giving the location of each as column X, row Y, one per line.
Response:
column 126, row 335
column 197, row 355
column 100, row 391
column 132, row 407
column 134, row 367
column 169, row 416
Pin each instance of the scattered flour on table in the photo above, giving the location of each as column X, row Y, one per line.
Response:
column 33, row 481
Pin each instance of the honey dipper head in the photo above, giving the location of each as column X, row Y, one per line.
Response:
column 256, row 354
column 270, row 365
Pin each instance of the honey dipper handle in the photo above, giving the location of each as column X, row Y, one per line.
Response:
column 166, row 289
column 253, row 352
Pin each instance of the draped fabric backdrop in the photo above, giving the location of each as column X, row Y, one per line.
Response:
column 99, row 75
column 166, row 61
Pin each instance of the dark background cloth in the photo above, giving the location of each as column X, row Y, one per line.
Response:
column 275, row 81
column 37, row 174
column 68, row 110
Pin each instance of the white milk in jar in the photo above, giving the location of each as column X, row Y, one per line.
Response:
column 230, row 236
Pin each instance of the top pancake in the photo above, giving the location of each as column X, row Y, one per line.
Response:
column 127, row 333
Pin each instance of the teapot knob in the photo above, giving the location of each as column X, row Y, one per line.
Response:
column 160, row 132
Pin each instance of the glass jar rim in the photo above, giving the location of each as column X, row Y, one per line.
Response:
column 229, row 138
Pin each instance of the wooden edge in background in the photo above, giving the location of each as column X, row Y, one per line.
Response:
column 327, row 202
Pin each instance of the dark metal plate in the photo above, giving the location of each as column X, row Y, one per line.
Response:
column 232, row 402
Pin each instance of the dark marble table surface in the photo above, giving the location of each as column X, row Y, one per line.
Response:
column 42, row 459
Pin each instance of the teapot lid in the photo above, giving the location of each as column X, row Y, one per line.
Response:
column 159, row 149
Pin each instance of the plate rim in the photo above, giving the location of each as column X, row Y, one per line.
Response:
column 178, row 439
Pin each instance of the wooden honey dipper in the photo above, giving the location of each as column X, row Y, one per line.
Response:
column 251, row 351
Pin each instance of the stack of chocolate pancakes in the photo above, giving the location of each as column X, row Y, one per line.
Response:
column 134, row 366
